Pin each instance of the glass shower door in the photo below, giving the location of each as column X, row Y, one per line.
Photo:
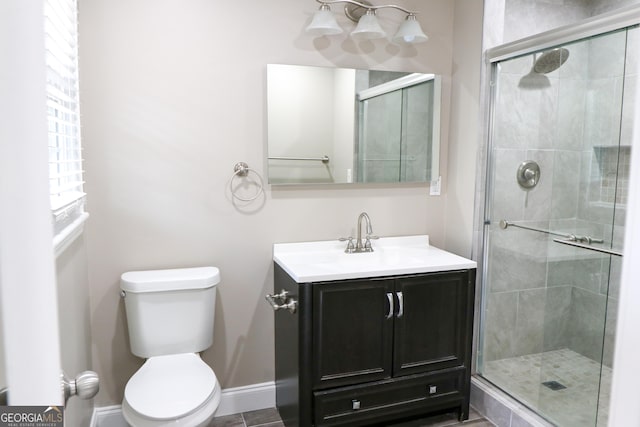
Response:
column 380, row 137
column 396, row 135
column 556, row 194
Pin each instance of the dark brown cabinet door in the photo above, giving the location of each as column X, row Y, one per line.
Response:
column 352, row 331
column 430, row 322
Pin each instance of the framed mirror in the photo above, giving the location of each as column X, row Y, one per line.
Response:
column 340, row 126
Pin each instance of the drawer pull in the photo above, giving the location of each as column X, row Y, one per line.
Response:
column 355, row 404
column 433, row 389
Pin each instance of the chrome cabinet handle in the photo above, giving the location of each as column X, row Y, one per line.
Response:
column 390, row 298
column 400, row 304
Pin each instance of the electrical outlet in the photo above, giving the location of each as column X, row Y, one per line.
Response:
column 434, row 189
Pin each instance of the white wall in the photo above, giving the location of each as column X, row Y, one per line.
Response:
column 173, row 95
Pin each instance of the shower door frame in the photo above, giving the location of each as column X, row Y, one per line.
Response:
column 599, row 25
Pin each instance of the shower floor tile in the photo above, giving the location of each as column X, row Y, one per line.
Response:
column 577, row 404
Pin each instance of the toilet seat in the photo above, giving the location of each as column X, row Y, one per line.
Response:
column 170, row 387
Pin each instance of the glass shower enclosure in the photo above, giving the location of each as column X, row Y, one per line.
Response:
column 559, row 150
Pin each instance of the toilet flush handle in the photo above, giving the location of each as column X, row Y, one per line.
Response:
column 85, row 385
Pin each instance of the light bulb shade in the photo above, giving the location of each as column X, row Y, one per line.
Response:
column 410, row 32
column 323, row 23
column 368, row 28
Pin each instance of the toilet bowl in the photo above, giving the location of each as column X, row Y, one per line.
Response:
column 170, row 320
column 175, row 390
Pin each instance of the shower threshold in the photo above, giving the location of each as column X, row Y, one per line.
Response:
column 533, row 379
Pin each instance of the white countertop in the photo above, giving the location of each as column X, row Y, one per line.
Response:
column 326, row 260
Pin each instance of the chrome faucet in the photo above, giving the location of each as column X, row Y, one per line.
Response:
column 361, row 245
column 366, row 246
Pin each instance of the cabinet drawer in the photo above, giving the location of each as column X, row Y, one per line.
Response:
column 358, row 405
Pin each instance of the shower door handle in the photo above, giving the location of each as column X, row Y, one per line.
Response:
column 584, row 239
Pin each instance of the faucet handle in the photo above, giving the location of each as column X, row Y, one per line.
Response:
column 367, row 243
column 350, row 246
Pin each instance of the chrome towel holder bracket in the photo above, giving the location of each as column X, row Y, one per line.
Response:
column 282, row 301
column 241, row 169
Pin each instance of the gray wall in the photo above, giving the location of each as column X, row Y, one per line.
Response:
column 466, row 136
column 173, row 95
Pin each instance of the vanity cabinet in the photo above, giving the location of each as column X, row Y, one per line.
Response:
column 367, row 351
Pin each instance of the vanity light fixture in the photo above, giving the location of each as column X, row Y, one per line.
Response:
column 368, row 27
column 324, row 23
column 364, row 13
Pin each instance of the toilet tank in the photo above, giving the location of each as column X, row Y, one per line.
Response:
column 170, row 311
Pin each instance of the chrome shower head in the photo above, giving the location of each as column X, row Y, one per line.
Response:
column 551, row 60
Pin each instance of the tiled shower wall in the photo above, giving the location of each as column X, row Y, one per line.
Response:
column 523, row 18
column 544, row 296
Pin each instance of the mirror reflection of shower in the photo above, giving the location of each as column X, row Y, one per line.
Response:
column 313, row 112
column 398, row 147
column 544, row 64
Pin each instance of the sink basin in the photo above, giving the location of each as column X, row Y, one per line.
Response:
column 326, row 260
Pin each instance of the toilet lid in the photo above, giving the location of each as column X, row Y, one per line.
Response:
column 168, row 387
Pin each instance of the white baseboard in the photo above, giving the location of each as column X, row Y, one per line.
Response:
column 232, row 401
column 108, row 416
column 247, row 398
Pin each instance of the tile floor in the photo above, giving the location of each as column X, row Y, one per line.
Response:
column 263, row 418
column 584, row 398
column 270, row 418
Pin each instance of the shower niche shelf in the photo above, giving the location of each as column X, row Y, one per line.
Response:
column 609, row 175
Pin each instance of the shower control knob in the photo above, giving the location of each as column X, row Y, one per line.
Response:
column 528, row 174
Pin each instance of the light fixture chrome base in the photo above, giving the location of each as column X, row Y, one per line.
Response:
column 355, row 12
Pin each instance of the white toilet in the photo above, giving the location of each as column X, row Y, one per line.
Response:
column 170, row 319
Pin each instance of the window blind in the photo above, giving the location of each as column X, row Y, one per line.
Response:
column 65, row 153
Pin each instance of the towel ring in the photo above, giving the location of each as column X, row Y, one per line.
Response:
column 243, row 169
